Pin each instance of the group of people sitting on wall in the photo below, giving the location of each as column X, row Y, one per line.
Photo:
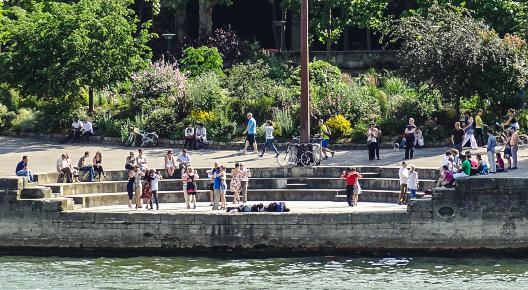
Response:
column 70, row 174
column 80, row 130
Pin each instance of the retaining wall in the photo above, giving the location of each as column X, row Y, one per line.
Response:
column 481, row 214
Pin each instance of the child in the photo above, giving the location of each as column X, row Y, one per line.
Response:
column 352, row 188
column 412, row 182
column 500, row 163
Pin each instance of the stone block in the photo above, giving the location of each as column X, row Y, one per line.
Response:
column 108, row 218
column 143, row 218
column 177, row 219
column 76, row 217
column 211, row 219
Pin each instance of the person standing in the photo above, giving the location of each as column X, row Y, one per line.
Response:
column 324, row 132
column 154, row 185
column 479, row 128
column 412, row 182
column 83, row 166
column 223, row 187
column 235, row 183
column 147, row 190
column 378, row 139
column 210, row 175
column 190, row 178
column 404, row 176
column 468, row 130
column 138, row 187
column 372, row 141
column 268, row 128
column 492, row 143
column 351, row 177
column 245, row 174
column 130, row 186
column 409, row 142
column 457, row 136
column 217, row 184
column 514, row 146
column 251, row 130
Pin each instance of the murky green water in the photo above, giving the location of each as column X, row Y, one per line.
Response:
column 280, row 273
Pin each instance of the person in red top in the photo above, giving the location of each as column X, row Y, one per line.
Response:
column 351, row 177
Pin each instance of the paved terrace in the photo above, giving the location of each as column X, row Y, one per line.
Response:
column 43, row 156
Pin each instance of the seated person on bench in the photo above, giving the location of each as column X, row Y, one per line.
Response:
column 189, row 137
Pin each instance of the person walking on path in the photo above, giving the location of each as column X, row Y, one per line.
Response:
column 268, row 128
column 514, row 145
column 469, row 130
column 457, row 136
column 245, row 174
column 324, row 132
column 372, row 141
column 409, row 142
column 22, row 169
column 412, row 182
column 492, row 143
column 404, row 176
column 235, row 183
column 83, row 166
column 251, row 130
column 351, row 176
column 479, row 128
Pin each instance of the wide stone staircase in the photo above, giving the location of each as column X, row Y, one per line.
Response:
column 379, row 184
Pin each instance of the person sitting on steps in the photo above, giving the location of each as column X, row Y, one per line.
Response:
column 23, row 170
column 83, row 166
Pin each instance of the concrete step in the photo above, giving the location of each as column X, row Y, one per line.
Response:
column 36, row 192
column 297, row 185
column 52, row 204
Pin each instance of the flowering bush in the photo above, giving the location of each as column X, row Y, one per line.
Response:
column 339, row 126
column 348, row 100
column 160, row 84
column 202, row 116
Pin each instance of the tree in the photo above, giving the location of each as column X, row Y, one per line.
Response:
column 329, row 18
column 460, row 57
column 56, row 49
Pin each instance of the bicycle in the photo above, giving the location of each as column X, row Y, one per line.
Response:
column 147, row 138
column 290, row 156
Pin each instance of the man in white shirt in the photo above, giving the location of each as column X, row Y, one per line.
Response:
column 75, row 132
column 404, row 177
column 189, row 136
column 63, row 167
column 245, row 174
column 201, row 135
column 183, row 160
column 87, row 129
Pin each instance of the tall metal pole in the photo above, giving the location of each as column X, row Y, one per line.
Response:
column 305, row 76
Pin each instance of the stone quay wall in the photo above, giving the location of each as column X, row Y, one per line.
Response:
column 481, row 214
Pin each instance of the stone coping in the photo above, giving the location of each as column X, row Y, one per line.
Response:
column 210, row 144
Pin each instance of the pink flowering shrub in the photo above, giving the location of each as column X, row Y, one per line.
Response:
column 160, row 84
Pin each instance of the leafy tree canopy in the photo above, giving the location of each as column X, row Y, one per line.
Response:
column 54, row 49
column 460, row 57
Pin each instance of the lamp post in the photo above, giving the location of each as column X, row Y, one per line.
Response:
column 305, row 76
column 168, row 37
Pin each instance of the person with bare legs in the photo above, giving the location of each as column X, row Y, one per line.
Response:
column 251, row 130
column 235, row 185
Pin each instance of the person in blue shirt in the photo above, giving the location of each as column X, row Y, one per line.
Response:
column 492, row 142
column 217, row 187
column 23, row 170
column 251, row 130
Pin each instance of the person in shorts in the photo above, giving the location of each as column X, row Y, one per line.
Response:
column 324, row 132
column 251, row 130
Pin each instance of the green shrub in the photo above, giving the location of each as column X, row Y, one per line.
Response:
column 26, row 120
column 394, row 86
column 5, row 118
column 339, row 126
column 323, row 73
column 107, row 125
column 9, row 97
column 201, row 59
column 359, row 133
column 419, row 105
column 220, row 128
column 206, row 92
column 284, row 124
column 162, row 121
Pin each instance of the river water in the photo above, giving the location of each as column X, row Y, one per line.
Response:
column 338, row 272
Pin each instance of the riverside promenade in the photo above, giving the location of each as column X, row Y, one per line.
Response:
column 44, row 154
